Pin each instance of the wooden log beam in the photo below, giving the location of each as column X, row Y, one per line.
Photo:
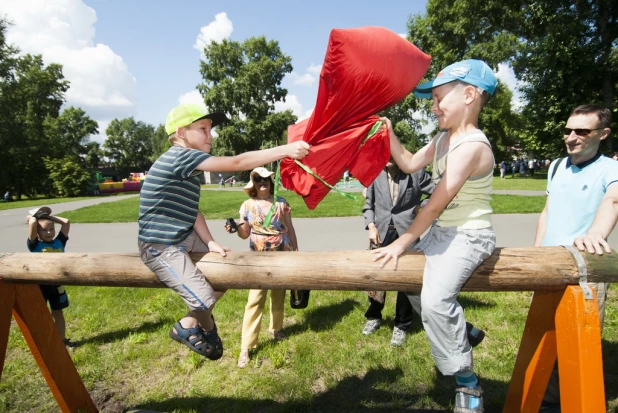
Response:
column 508, row 269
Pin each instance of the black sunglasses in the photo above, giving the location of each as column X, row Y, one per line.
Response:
column 257, row 179
column 578, row 132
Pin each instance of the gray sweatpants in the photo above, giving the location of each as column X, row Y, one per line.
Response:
column 452, row 254
column 173, row 266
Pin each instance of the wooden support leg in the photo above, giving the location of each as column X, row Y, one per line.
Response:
column 39, row 330
column 580, row 360
column 7, row 298
column 536, row 356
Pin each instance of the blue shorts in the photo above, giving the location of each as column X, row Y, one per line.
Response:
column 56, row 296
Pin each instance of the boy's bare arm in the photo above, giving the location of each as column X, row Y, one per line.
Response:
column 201, row 229
column 65, row 224
column 249, row 160
column 405, row 160
column 463, row 163
column 541, row 225
column 32, row 230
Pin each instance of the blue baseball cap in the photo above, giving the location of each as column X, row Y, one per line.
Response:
column 473, row 72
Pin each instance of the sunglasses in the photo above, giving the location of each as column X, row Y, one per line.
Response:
column 261, row 179
column 578, row 132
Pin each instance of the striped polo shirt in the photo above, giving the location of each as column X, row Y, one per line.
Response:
column 170, row 196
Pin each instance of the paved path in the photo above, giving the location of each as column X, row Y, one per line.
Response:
column 314, row 234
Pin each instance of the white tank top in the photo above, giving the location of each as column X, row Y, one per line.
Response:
column 470, row 208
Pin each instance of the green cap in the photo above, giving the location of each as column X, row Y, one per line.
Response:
column 188, row 113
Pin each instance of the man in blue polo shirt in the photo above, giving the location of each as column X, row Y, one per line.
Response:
column 582, row 200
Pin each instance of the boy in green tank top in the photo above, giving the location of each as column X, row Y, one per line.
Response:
column 462, row 237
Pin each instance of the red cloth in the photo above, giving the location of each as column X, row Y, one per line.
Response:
column 365, row 71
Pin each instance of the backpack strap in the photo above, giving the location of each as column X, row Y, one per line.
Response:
column 553, row 172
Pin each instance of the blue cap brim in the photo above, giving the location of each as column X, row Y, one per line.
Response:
column 424, row 91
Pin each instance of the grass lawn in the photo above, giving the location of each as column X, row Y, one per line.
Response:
column 536, row 183
column 223, row 204
column 24, row 203
column 126, row 359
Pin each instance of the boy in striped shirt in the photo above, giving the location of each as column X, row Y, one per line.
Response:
column 171, row 224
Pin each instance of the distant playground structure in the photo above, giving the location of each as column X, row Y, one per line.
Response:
column 105, row 185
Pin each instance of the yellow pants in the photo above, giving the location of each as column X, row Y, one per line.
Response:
column 253, row 315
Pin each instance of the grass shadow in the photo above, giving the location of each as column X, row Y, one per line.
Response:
column 371, row 390
column 610, row 369
column 322, row 318
column 147, row 327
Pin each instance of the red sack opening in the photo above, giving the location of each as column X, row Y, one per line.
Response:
column 365, row 71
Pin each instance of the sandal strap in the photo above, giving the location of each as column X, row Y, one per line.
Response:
column 476, row 392
column 185, row 333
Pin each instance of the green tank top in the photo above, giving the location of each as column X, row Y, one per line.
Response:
column 470, row 209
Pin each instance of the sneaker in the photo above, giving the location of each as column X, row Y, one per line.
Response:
column 371, row 326
column 277, row 335
column 469, row 400
column 399, row 337
column 474, row 338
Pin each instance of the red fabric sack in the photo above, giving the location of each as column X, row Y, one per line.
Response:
column 365, row 71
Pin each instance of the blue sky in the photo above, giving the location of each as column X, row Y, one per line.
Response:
column 140, row 58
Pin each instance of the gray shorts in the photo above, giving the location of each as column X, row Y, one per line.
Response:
column 173, row 266
column 452, row 254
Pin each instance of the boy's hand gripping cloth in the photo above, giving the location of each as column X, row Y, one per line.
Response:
column 365, row 71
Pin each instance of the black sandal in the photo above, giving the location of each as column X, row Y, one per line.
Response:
column 207, row 344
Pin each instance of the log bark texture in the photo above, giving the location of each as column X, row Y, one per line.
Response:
column 508, row 269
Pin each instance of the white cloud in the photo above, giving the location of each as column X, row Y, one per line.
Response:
column 405, row 36
column 62, row 31
column 507, row 76
column 216, row 31
column 303, row 80
column 291, row 102
column 315, row 69
column 192, row 97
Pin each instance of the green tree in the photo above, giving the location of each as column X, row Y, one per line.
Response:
column 454, row 30
column 30, row 94
column 129, row 145
column 244, row 80
column 160, row 143
column 68, row 176
column 69, row 133
column 94, row 155
column 567, row 56
column 564, row 52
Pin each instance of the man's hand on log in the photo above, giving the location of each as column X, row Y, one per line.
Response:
column 392, row 251
column 593, row 243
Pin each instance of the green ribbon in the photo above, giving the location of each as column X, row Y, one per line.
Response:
column 310, row 172
column 271, row 211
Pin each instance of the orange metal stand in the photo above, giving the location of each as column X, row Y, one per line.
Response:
column 39, row 330
column 563, row 325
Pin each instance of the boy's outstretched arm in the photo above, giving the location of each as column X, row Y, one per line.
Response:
column 65, row 224
column 463, row 163
column 202, row 231
column 405, row 160
column 32, row 230
column 249, row 160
